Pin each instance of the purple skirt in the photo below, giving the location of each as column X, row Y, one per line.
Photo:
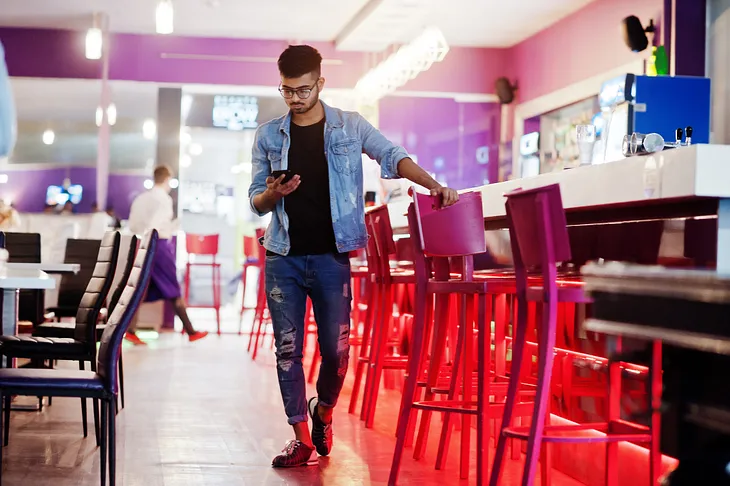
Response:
column 163, row 281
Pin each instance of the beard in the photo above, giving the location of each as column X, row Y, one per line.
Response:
column 303, row 106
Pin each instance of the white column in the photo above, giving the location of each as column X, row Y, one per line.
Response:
column 103, row 147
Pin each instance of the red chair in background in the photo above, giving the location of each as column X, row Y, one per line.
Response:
column 205, row 246
column 261, row 318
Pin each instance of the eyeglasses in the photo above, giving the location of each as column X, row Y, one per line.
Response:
column 302, row 93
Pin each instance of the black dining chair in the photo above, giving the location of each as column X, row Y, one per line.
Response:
column 73, row 285
column 66, row 329
column 99, row 385
column 26, row 248
column 82, row 347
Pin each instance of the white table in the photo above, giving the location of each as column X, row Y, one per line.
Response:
column 13, row 280
column 53, row 268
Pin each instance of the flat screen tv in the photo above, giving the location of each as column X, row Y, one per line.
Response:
column 59, row 195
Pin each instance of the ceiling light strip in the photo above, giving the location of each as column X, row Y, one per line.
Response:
column 403, row 65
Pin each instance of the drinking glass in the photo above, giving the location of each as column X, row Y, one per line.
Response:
column 586, row 136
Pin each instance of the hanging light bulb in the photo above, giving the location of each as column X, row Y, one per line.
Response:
column 99, row 116
column 149, row 129
column 164, row 15
column 148, row 184
column 49, row 137
column 111, row 114
column 94, row 43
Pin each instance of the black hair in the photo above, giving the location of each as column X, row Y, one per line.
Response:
column 296, row 61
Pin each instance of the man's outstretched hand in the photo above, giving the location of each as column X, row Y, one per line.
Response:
column 448, row 196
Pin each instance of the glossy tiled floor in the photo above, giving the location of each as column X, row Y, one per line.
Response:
column 205, row 414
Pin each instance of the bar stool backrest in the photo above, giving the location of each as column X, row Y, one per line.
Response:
column 381, row 232
column 250, row 248
column 201, row 244
column 97, row 289
column 457, row 230
column 538, row 229
column 121, row 318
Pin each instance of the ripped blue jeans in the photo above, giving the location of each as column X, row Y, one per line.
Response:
column 325, row 279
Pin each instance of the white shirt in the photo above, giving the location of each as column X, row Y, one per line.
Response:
column 153, row 210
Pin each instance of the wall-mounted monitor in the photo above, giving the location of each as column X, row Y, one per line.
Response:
column 59, row 195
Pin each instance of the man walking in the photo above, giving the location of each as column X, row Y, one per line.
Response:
column 318, row 220
column 153, row 210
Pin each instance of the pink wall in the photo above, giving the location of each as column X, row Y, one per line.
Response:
column 582, row 45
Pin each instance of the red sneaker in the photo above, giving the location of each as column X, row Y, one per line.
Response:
column 196, row 336
column 134, row 339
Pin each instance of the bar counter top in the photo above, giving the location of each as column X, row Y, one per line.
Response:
column 687, row 182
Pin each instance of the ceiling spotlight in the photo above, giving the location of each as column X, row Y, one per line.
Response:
column 148, row 184
column 196, row 149
column 94, row 42
column 49, row 137
column 149, row 129
column 111, row 114
column 164, row 15
column 185, row 137
column 174, row 183
column 185, row 160
column 99, row 116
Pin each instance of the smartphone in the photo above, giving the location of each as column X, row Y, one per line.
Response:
column 278, row 173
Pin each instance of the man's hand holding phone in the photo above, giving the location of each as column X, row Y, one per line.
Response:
column 278, row 188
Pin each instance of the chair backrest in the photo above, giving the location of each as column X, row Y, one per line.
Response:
column 73, row 286
column 121, row 318
column 26, row 248
column 456, row 230
column 22, row 247
column 97, row 289
column 127, row 252
column 538, row 229
column 201, row 244
column 421, row 263
column 250, row 247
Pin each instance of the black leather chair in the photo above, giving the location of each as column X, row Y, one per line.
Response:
column 100, row 385
column 65, row 329
column 82, row 347
column 73, row 286
column 26, row 248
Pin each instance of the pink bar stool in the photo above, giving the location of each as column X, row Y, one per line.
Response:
column 439, row 234
column 539, row 239
column 207, row 246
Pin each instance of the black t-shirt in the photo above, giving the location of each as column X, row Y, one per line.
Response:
column 310, row 216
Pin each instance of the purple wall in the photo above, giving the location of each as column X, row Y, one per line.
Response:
column 446, row 136
column 27, row 188
column 40, row 53
column 582, row 45
column 123, row 188
column 176, row 59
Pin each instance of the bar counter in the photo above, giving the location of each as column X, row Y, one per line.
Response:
column 688, row 182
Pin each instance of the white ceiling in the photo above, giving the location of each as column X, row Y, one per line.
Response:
column 482, row 23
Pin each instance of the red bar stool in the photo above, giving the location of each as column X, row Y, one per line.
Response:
column 261, row 318
column 384, row 334
column 438, row 234
column 539, row 239
column 204, row 245
column 250, row 259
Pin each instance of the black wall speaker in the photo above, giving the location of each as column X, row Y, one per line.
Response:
column 505, row 90
column 635, row 34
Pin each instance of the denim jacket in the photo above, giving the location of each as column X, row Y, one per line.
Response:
column 347, row 135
